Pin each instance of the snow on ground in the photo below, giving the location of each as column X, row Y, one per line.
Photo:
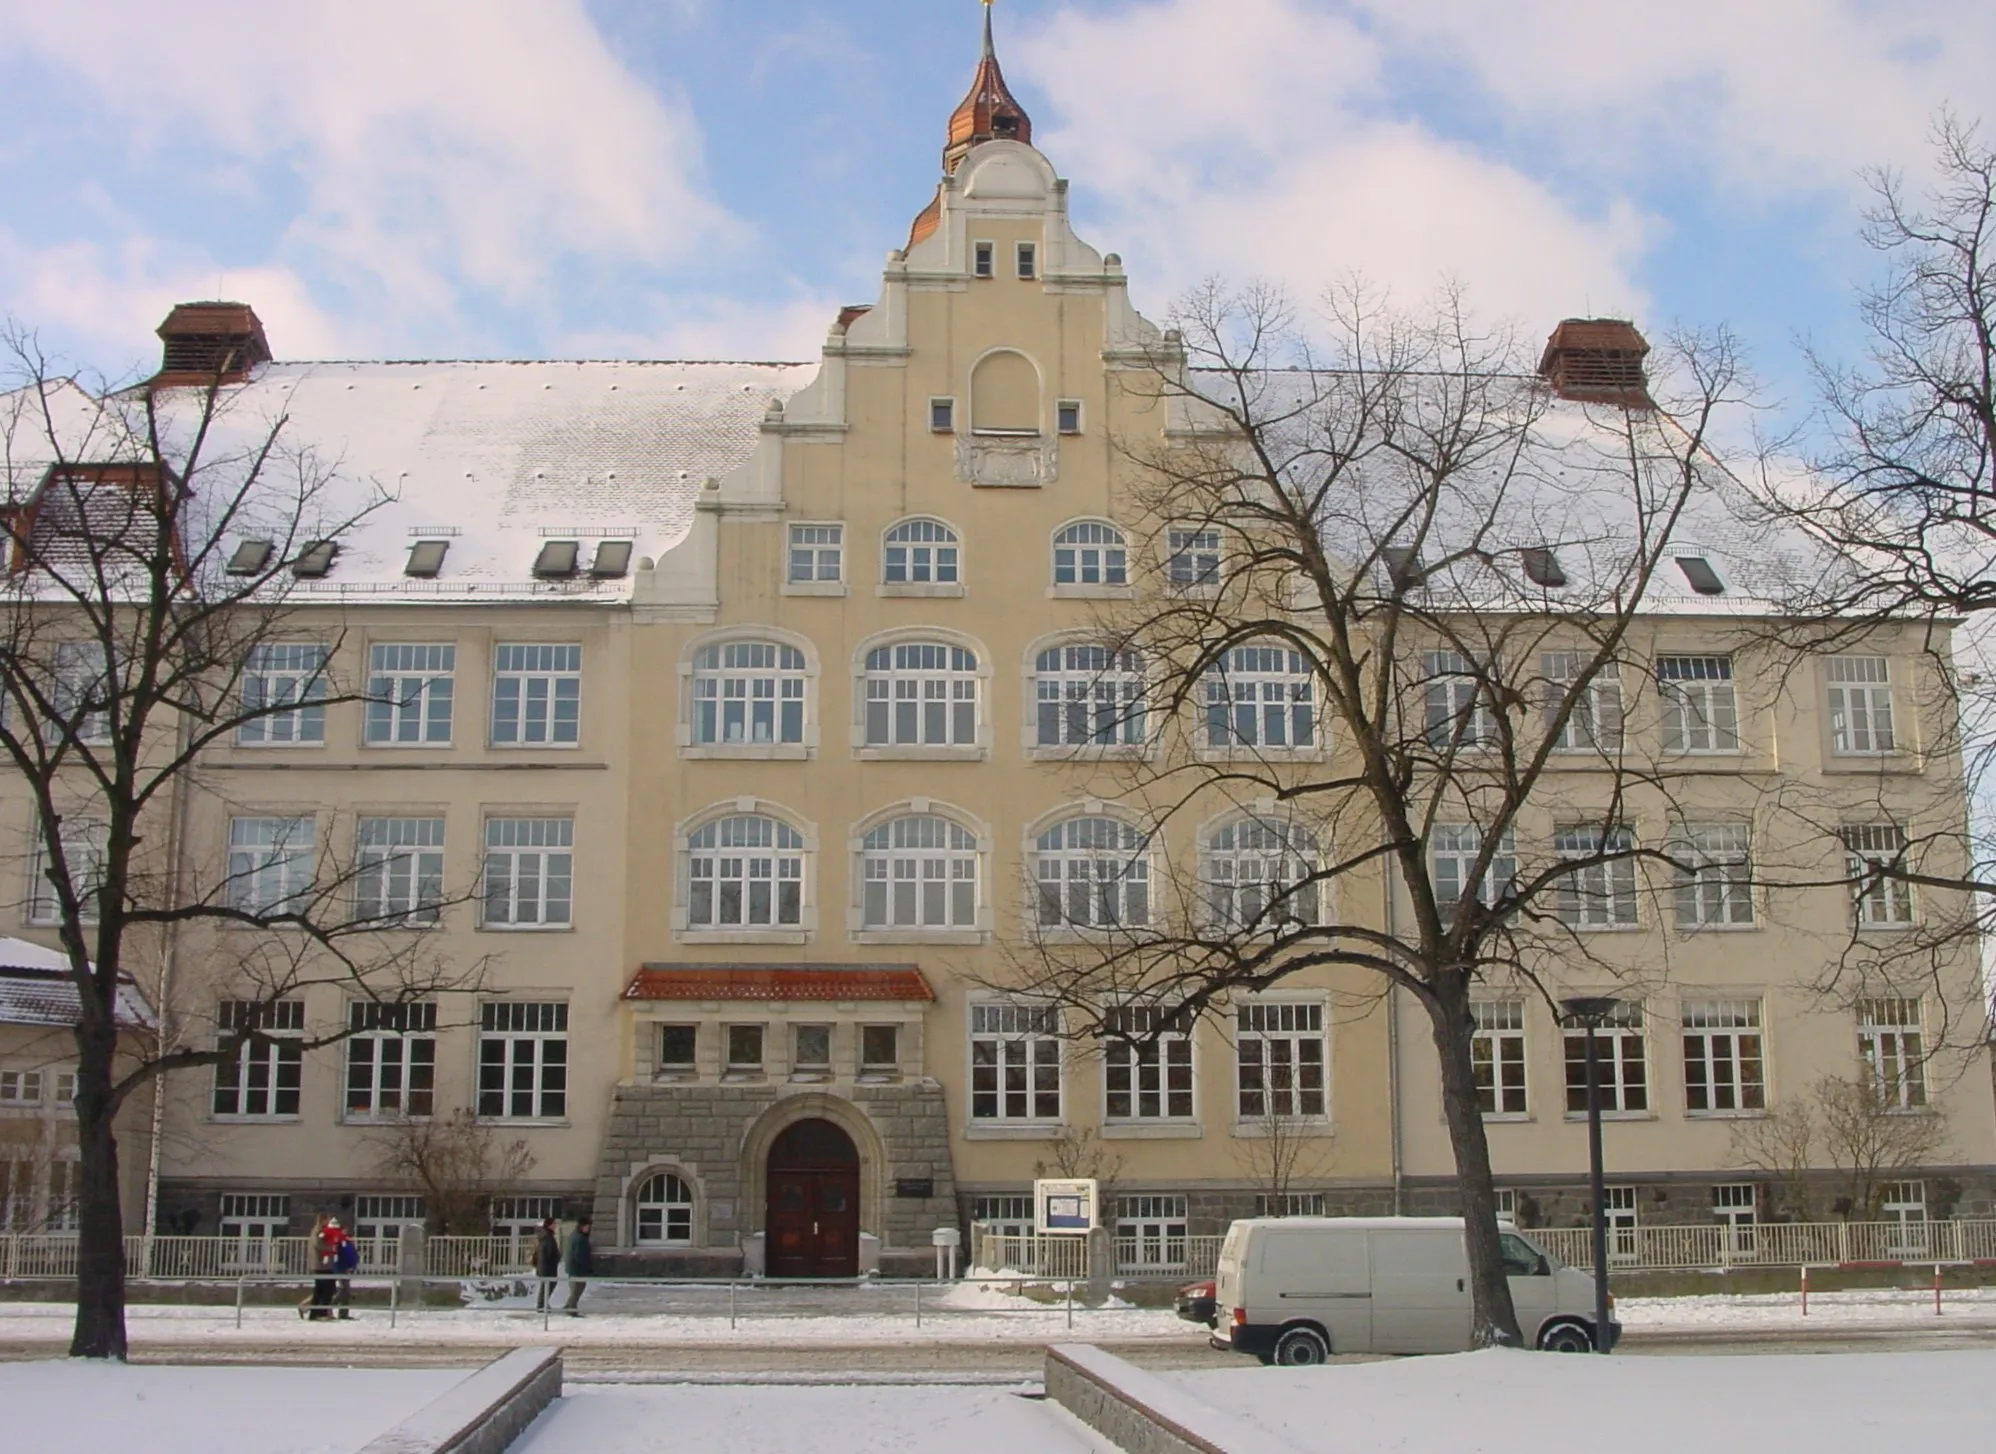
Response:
column 1893, row 1307
column 1499, row 1402
column 74, row 1404
column 609, row 1419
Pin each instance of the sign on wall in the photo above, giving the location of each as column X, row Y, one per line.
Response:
column 1065, row 1206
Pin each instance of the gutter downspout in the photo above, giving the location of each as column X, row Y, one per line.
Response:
column 175, row 835
column 1393, row 1108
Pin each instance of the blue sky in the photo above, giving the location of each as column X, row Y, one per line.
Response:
column 693, row 178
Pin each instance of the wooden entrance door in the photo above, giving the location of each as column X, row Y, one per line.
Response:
column 812, row 1226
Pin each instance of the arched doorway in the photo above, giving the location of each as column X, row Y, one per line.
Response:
column 812, row 1225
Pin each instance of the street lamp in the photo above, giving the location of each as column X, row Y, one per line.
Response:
column 1590, row 1013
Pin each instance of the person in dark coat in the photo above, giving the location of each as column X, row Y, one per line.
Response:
column 581, row 1262
column 547, row 1260
column 324, row 1250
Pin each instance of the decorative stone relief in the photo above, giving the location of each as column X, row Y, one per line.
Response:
column 1007, row 462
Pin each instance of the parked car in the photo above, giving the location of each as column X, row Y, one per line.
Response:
column 1197, row 1303
column 1294, row 1290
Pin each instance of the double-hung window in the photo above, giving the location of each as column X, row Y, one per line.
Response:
column 1870, row 850
column 1090, row 553
column 84, row 843
column 919, row 872
column 252, row 1221
column 1714, row 875
column 1860, row 691
column 1723, row 1065
column 409, row 695
column 523, row 1060
column 391, row 1060
column 284, row 685
column 536, row 695
column 817, row 554
column 1455, row 710
column 1258, row 876
column 271, row 864
column 80, row 693
column 1261, row 697
column 529, row 877
column 260, row 1078
column 748, row 694
column 1150, row 1232
column 1700, row 709
column 1093, row 873
column 1089, row 695
column 745, row 872
column 665, row 1210
column 1497, row 1056
column 1192, row 559
column 1015, row 1067
column 1279, row 1062
column 399, row 871
column 920, row 552
column 1599, row 891
column 379, row 1222
column 1623, row 1069
column 1147, row 1069
column 1453, row 852
column 1595, row 722
column 921, row 694
column 20, row 1087
column 1894, row 1051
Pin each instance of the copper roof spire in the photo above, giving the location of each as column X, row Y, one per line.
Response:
column 989, row 113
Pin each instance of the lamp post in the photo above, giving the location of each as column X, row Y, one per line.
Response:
column 1590, row 1013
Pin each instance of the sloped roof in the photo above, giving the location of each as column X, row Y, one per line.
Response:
column 825, row 982
column 35, row 989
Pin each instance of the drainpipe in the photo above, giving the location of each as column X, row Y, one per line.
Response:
column 175, row 838
column 1393, row 1108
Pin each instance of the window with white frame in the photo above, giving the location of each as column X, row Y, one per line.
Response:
column 810, row 1052
column 1015, row 1069
column 919, row 552
column 1860, row 692
column 1599, row 891
column 1618, row 1207
column 65, row 1089
column 1497, row 1056
column 1150, row 1232
column 1260, row 697
column 1258, row 875
column 380, row 1220
column 1192, row 559
column 1700, row 710
column 252, row 1221
column 1454, row 850
column 1279, row 1061
column 1454, row 706
column 1507, row 1203
column 536, row 695
column 919, row 872
column 529, row 873
column 65, row 1210
column 1289, row 1204
column 84, row 843
column 1905, row 1204
column 745, row 872
column 1004, row 1215
column 1089, row 695
column 523, row 1060
column 921, row 694
column 744, row 1050
column 817, row 554
column 409, row 695
column 1894, row 1050
column 20, row 1087
column 271, row 864
column 1734, row 1208
column 1714, row 875
column 260, row 1078
column 1147, row 1068
column 399, row 870
column 284, row 683
column 17, row 1194
column 1723, row 1063
column 1092, row 873
column 518, row 1220
column 80, row 693
column 879, row 1051
column 678, row 1051
column 1870, row 850
column 748, row 694
column 1595, row 723
column 1622, row 1063
column 391, row 1060
column 1090, row 553
column 664, row 1207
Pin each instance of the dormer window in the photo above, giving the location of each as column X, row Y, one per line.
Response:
column 1029, row 260
column 1404, row 569
column 1698, row 571
column 250, row 557
column 315, row 560
column 984, row 259
column 426, row 559
column 557, row 560
column 613, row 559
column 1542, row 567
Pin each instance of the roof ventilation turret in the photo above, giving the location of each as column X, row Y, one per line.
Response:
column 1597, row 361
column 210, row 343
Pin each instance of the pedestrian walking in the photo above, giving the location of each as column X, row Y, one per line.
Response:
column 547, row 1261
column 581, row 1262
column 346, row 1262
column 322, row 1249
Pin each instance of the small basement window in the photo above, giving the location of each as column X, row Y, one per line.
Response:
column 557, row 559
column 982, row 259
column 1067, row 416
column 1403, row 566
column 250, row 557
column 315, row 560
column 942, row 415
column 1029, row 260
column 613, row 559
column 1698, row 570
column 1542, row 567
column 426, row 559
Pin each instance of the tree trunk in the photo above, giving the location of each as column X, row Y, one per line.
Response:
column 100, row 1243
column 1493, row 1319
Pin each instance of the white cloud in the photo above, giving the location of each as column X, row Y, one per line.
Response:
column 710, row 327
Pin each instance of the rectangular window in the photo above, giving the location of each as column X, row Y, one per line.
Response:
column 1455, row 710
column 65, row 1088
column 1904, row 1203
column 409, row 692
column 879, row 1050
column 1722, row 1057
column 1497, row 1056
column 1714, row 875
column 523, row 1060
column 1004, row 1216
column 1595, row 723
column 1150, row 1233
column 1454, row 849
column 1067, row 416
column 811, row 1050
column 536, row 696
column 942, row 415
column 391, row 1060
column 1894, row 1051
column 65, row 1188
column 252, row 1221
column 285, row 683
column 271, row 864
column 1028, row 255
column 1193, row 562
column 1860, row 690
column 748, row 693
column 20, row 1087
column 260, row 1078
column 1700, row 710
column 1601, row 893
column 1014, row 1062
column 399, row 870
column 380, row 1221
column 84, row 842
column 1148, row 1070
column 1289, row 1204
column 1618, row 1205
column 1261, row 697
column 529, row 872
column 1882, row 902
column 817, row 554
column 678, row 1049
column 80, row 681
column 984, row 258
column 1734, row 1206
column 1280, row 1062
column 1623, row 1065
column 744, row 1049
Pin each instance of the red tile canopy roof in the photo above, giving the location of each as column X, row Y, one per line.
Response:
column 779, row 982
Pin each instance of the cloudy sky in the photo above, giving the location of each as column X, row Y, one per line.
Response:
column 699, row 178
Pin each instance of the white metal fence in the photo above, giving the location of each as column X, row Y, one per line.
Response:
column 1773, row 1244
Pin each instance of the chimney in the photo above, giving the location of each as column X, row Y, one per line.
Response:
column 208, row 343
column 1597, row 361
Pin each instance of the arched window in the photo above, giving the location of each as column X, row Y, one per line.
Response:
column 748, row 692
column 919, row 872
column 745, row 872
column 1261, row 696
column 920, row 552
column 1005, row 395
column 921, row 694
column 1090, row 553
column 1089, row 695
column 1257, row 875
column 665, row 1210
column 1093, row 873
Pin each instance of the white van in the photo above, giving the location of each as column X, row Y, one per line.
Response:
column 1293, row 1290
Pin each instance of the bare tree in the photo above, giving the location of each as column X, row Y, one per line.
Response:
column 1872, row 1144
column 128, row 620
column 1781, row 1146
column 457, row 1163
column 1278, row 1150
column 1079, row 1153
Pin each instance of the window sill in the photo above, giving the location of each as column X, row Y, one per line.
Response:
column 1152, row 1130
column 365, row 1122
column 744, row 1077
column 1906, row 928
column 921, row 936
column 1753, row 1115
column 1602, row 928
column 526, row 928
column 878, row 1077
column 1579, row 1118
column 674, row 1077
column 1078, row 592
column 533, row 746
column 291, row 1120
column 1305, row 1125
column 318, row 746
column 814, row 588
column 1259, row 754
column 407, row 746
column 921, row 754
column 527, row 1122
column 1012, row 1130
column 748, row 752
column 946, row 589
column 742, row 936
column 1508, row 1118
column 1116, row 752
column 810, row 1077
column 1692, row 931
column 1072, row 934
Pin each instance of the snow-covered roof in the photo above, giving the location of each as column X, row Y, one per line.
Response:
column 36, row 989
